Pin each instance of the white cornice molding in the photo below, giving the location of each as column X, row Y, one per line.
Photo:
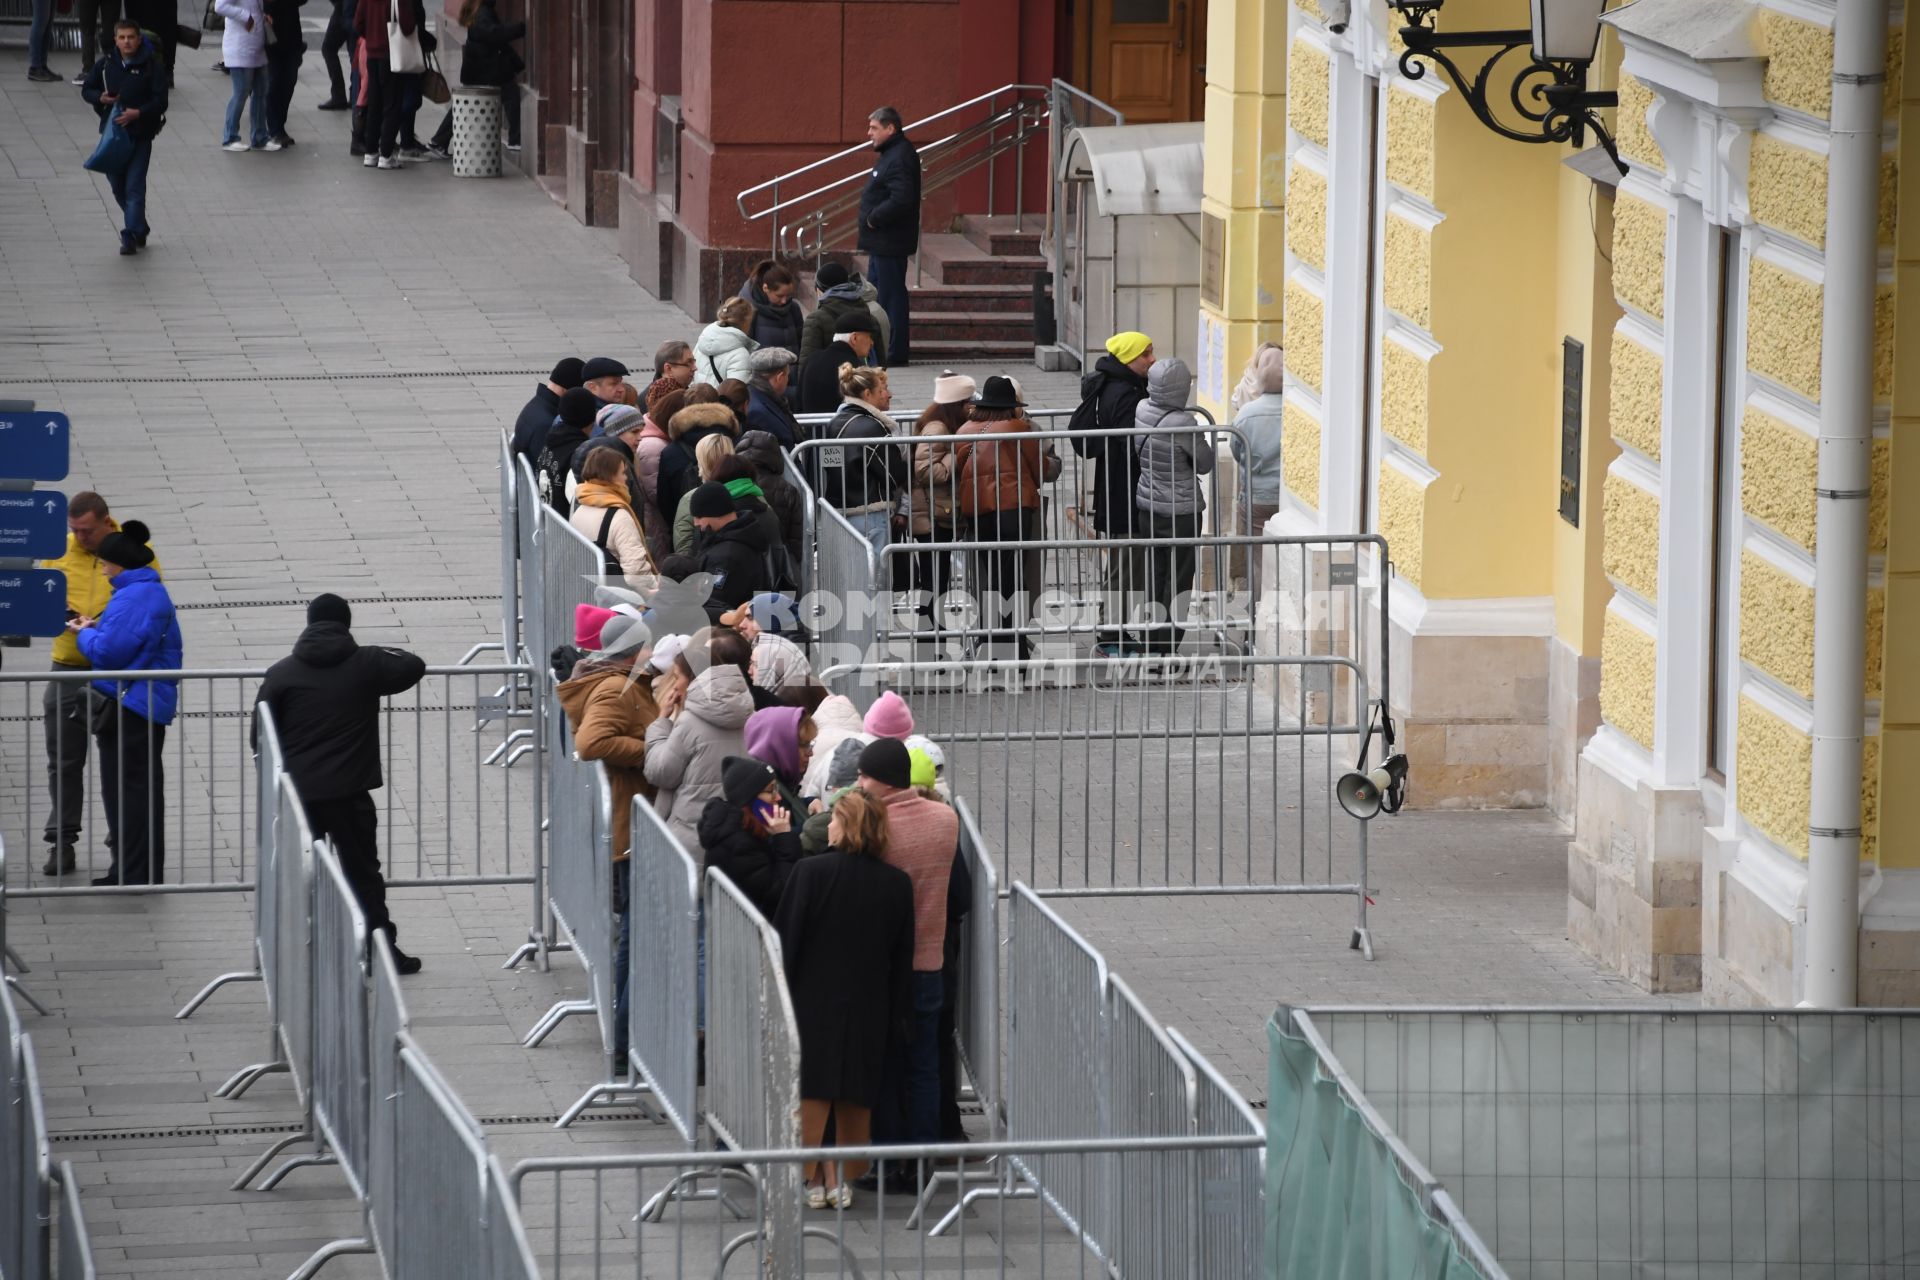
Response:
column 1526, row 617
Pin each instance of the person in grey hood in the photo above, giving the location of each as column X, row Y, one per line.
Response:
column 1168, row 498
column 841, row 292
column 703, row 720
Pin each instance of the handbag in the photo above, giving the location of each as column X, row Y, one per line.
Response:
column 404, row 56
column 433, row 85
column 114, row 152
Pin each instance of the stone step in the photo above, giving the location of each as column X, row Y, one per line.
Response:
column 936, row 299
column 954, row 259
column 974, row 326
column 1003, row 237
column 948, row 352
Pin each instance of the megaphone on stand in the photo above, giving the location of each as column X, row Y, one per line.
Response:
column 1364, row 795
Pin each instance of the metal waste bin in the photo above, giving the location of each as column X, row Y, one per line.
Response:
column 476, row 131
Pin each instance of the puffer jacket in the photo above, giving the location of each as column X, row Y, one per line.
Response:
column 646, row 469
column 610, row 711
column 1179, row 451
column 856, row 477
column 89, row 591
column 995, row 475
column 931, row 500
column 769, row 465
column 723, row 352
column 758, row 866
column 843, row 300
column 683, row 755
column 241, row 48
column 1262, row 419
column 835, row 721
column 138, row 632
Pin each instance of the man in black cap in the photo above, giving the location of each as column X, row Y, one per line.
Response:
column 853, row 339
column 530, row 428
column 325, row 701
column 732, row 549
column 604, row 376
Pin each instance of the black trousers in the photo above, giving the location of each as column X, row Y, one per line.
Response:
column 339, row 35
column 998, row 576
column 951, row 1128
column 283, row 73
column 932, row 570
column 380, row 125
column 64, row 709
column 133, row 791
column 353, row 824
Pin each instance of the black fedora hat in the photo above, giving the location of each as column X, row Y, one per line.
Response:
column 997, row 393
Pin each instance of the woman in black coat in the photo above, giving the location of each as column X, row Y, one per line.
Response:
column 778, row 320
column 747, row 833
column 489, row 59
column 846, row 932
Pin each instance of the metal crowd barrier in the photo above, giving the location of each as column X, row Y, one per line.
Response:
column 584, row 1218
column 1163, row 776
column 1664, row 1140
column 388, row 1025
column 663, row 981
column 511, row 549
column 1151, row 1091
column 580, row 872
column 40, row 1235
column 1231, row 1180
column 8, row 956
column 444, row 820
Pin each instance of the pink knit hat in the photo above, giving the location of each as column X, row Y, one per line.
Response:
column 889, row 717
column 588, row 620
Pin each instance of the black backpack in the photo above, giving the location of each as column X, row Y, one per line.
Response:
column 608, row 556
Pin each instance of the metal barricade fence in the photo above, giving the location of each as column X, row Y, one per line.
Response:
column 1162, row 776
column 510, row 1256
column 1675, row 1141
column 528, row 531
column 585, row 1221
column 663, row 979
column 571, row 571
column 444, row 818
column 511, row 549
column 580, row 879
column 387, row 1027
column 1232, row 1183
column 340, row 1083
column 751, row 1036
column 977, row 1003
column 8, row 956
column 25, row 1160
column 844, row 628
column 1150, row 1092
column 441, row 1211
column 72, row 1246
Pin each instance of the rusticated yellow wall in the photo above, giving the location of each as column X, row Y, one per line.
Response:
column 1403, row 396
column 1585, row 309
column 1306, row 330
column 1778, row 466
column 1308, row 85
column 1409, row 270
column 1799, row 71
column 1627, row 658
column 1776, row 624
column 1640, row 254
column 1876, row 637
column 1787, row 189
column 1636, row 387
column 1410, row 141
column 1883, row 343
column 1635, row 139
column 1894, row 526
column 1300, row 454
column 1783, row 327
column 1632, row 551
column 1403, row 520
column 1877, row 514
column 1774, row 772
column 1307, row 216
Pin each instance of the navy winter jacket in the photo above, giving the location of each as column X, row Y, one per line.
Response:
column 890, row 202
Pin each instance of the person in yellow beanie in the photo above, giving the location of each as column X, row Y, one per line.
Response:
column 1109, row 396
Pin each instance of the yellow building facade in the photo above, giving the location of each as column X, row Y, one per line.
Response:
column 1584, row 408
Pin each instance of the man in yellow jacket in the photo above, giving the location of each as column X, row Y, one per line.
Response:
column 64, row 706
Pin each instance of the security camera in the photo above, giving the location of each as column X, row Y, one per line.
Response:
column 1338, row 12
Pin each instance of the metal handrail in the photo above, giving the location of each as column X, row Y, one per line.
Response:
column 1026, row 118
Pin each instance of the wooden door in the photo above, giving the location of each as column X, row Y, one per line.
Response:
column 1147, row 58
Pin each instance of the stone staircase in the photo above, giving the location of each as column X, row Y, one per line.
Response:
column 975, row 296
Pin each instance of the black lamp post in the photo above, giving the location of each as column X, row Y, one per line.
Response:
column 1547, row 93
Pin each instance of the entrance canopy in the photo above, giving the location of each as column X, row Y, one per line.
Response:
column 1138, row 168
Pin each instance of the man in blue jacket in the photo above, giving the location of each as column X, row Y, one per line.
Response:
column 136, row 632
column 890, row 222
column 129, row 86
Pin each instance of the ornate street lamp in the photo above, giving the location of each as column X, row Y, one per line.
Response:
column 1547, row 93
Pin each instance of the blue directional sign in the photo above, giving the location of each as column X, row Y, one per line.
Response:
column 34, row 446
column 33, row 602
column 33, row 524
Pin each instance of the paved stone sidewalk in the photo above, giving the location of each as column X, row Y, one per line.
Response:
column 299, row 386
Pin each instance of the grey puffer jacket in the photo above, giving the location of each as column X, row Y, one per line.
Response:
column 1179, row 451
column 684, row 754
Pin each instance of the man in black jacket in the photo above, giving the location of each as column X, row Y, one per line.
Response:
column 537, row 415
column 853, row 340
column 731, row 547
column 1108, row 398
column 325, row 701
column 130, row 86
column 890, row 222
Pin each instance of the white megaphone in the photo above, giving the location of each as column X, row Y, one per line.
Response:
column 1365, row 794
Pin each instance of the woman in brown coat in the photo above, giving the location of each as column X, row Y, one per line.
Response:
column 999, row 495
column 930, row 500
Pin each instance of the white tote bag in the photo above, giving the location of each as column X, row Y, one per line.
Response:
column 403, row 51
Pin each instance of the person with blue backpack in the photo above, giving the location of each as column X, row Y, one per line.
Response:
column 137, row 631
column 128, row 90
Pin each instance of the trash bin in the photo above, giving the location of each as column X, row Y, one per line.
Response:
column 476, row 131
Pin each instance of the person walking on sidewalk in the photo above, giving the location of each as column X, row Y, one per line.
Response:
column 243, row 48
column 286, row 49
column 136, row 632
column 890, row 222
column 325, row 700
column 130, row 87
column 64, row 706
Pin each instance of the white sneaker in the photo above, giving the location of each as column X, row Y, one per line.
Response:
column 236, row 145
column 370, row 160
column 389, row 162
column 271, row 145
